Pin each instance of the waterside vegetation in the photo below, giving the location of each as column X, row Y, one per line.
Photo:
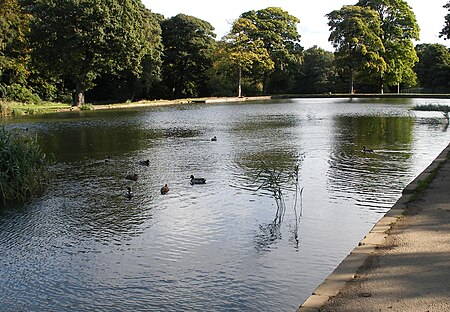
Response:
column 111, row 51
column 24, row 167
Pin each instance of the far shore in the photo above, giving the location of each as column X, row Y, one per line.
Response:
column 49, row 107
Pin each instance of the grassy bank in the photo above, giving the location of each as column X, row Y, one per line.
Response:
column 10, row 108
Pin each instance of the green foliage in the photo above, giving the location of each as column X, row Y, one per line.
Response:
column 243, row 54
column 19, row 93
column 317, row 73
column 81, row 39
column 277, row 29
column 87, row 107
column 355, row 34
column 399, row 27
column 24, row 167
column 14, row 54
column 445, row 32
column 433, row 68
column 188, row 50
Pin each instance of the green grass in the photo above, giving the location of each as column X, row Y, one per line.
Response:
column 11, row 108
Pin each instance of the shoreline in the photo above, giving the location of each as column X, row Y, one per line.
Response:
column 357, row 259
column 42, row 109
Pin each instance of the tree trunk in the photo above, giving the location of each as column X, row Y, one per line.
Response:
column 78, row 97
column 398, row 88
column 265, row 79
column 352, row 82
column 381, row 85
column 240, row 82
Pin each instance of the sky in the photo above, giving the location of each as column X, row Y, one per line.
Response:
column 313, row 27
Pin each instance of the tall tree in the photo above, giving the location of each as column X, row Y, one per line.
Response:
column 82, row 39
column 317, row 73
column 433, row 69
column 355, row 34
column 399, row 27
column 14, row 52
column 246, row 54
column 188, row 48
column 277, row 29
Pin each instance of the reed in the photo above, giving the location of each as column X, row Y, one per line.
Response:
column 277, row 181
column 23, row 167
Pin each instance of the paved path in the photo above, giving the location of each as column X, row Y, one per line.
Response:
column 410, row 269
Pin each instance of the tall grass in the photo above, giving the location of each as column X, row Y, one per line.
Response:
column 23, row 167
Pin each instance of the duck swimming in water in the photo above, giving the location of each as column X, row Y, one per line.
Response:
column 164, row 189
column 197, row 180
column 145, row 162
column 132, row 177
column 214, row 139
column 129, row 193
column 367, row 150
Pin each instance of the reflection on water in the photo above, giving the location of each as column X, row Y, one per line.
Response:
column 85, row 246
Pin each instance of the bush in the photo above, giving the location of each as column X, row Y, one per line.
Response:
column 19, row 93
column 86, row 107
column 23, row 167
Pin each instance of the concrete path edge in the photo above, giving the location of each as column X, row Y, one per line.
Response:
column 347, row 269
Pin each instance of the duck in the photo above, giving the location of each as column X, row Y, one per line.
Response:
column 214, row 139
column 132, row 177
column 197, row 180
column 164, row 189
column 129, row 193
column 367, row 150
column 145, row 162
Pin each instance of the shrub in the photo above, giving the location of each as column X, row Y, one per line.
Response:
column 23, row 167
column 17, row 92
column 86, row 107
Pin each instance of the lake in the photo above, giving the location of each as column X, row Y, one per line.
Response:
column 84, row 246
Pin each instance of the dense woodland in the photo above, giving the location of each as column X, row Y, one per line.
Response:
column 116, row 51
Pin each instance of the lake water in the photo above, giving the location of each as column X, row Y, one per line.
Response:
column 84, row 246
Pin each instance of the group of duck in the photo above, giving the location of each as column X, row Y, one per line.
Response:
column 165, row 189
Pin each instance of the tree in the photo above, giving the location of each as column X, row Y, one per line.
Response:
column 244, row 53
column 355, row 34
column 277, row 29
column 188, row 48
column 14, row 52
column 82, row 39
column 433, row 69
column 445, row 32
column 399, row 27
column 316, row 74
column 126, row 85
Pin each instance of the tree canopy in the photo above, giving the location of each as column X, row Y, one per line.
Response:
column 277, row 29
column 83, row 39
column 355, row 34
column 445, row 32
column 188, row 48
column 398, row 28
column 118, row 50
column 14, row 52
column 246, row 54
column 433, row 69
